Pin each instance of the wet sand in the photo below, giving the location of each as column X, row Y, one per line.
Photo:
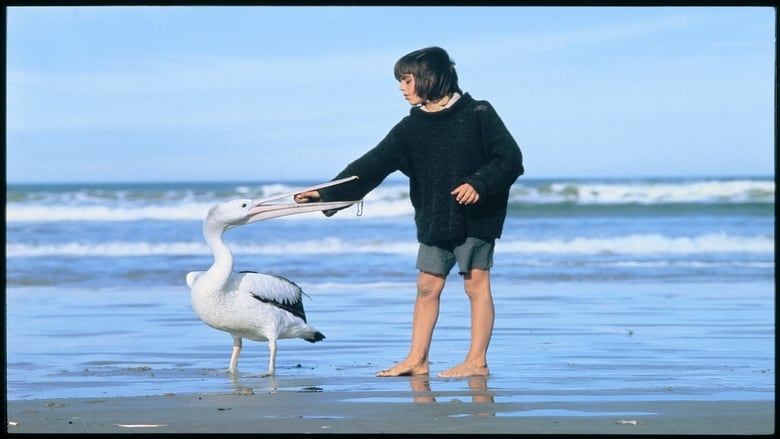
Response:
column 305, row 407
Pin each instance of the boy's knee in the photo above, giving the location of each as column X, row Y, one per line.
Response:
column 474, row 292
column 476, row 283
column 429, row 285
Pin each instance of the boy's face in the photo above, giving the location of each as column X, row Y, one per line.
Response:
column 408, row 90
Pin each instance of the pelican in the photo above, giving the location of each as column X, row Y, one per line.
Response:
column 255, row 306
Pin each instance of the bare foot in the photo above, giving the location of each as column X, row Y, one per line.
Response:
column 465, row 370
column 404, row 369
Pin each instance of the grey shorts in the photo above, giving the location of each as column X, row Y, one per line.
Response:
column 473, row 253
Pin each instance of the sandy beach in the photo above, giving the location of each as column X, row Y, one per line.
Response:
column 306, row 406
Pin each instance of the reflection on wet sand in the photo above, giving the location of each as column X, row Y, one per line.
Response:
column 240, row 389
column 421, row 388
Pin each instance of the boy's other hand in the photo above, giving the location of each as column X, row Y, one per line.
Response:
column 465, row 194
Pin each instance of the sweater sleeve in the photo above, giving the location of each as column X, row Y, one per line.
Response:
column 371, row 169
column 505, row 160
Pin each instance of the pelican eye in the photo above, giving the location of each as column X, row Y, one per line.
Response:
column 243, row 204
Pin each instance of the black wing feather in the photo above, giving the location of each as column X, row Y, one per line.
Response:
column 295, row 309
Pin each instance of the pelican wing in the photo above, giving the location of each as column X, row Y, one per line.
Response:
column 272, row 289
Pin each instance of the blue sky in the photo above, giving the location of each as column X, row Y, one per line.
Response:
column 155, row 94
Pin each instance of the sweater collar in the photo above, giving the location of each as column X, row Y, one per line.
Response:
column 456, row 106
column 454, row 98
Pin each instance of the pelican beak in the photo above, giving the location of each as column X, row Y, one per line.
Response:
column 261, row 211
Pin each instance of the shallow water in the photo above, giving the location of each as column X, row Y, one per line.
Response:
column 587, row 341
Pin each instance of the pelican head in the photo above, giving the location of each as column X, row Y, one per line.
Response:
column 244, row 211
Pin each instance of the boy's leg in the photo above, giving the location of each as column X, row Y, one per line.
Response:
column 426, row 312
column 477, row 285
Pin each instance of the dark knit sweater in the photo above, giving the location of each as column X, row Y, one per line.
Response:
column 465, row 143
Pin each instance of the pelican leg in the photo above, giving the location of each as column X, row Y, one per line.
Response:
column 272, row 357
column 233, row 368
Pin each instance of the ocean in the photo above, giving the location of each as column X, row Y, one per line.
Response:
column 603, row 287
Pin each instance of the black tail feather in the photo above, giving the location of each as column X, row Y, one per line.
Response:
column 314, row 338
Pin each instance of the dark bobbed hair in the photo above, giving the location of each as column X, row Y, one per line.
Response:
column 433, row 70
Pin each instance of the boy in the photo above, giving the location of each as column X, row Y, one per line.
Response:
column 461, row 162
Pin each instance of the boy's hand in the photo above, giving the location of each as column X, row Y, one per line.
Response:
column 306, row 197
column 313, row 197
column 465, row 194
